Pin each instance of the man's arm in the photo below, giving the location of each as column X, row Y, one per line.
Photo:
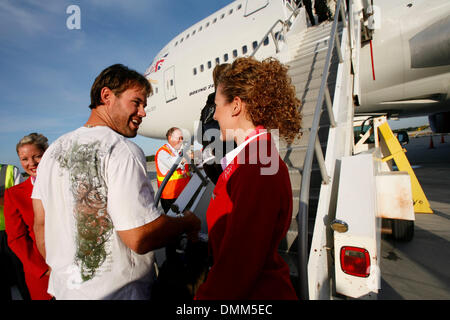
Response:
column 39, row 224
column 159, row 232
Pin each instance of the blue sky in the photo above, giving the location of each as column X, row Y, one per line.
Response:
column 47, row 69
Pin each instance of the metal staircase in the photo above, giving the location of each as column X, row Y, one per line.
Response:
column 322, row 70
column 306, row 70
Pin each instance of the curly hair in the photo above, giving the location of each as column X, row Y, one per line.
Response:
column 268, row 94
column 217, row 71
column 37, row 139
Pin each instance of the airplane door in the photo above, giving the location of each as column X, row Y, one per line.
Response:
column 254, row 5
column 169, row 84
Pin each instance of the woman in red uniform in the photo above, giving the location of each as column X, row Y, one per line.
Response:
column 19, row 218
column 251, row 206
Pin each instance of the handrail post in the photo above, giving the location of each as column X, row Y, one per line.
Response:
column 338, row 47
column 342, row 12
column 275, row 41
column 321, row 161
column 329, row 107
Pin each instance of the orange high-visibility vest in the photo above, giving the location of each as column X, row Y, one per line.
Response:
column 177, row 181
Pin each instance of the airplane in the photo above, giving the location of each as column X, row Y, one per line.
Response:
column 407, row 72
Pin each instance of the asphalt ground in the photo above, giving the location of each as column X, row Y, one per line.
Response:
column 420, row 269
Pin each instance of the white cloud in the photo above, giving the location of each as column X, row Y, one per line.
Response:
column 12, row 16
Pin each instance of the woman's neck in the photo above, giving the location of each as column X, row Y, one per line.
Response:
column 245, row 128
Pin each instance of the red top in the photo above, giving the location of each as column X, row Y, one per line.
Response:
column 19, row 221
column 249, row 214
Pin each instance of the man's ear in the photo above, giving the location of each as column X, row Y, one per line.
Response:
column 237, row 106
column 106, row 95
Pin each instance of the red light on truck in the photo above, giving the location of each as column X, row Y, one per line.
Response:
column 355, row 261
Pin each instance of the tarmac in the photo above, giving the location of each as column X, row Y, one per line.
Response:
column 420, row 269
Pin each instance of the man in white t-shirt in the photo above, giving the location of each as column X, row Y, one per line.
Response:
column 95, row 219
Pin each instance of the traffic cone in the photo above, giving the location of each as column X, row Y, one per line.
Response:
column 431, row 143
column 442, row 138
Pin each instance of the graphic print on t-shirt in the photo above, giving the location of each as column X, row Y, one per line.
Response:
column 89, row 190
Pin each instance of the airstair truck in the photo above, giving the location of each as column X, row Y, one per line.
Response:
column 342, row 188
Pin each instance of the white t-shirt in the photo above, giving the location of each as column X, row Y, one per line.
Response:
column 92, row 183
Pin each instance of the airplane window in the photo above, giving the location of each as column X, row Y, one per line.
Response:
column 230, row 12
column 223, row 15
column 217, row 61
column 207, row 24
column 156, row 90
column 202, row 68
column 171, row 82
column 176, row 43
column 181, row 40
column 193, row 32
column 266, row 41
column 254, row 44
column 215, row 20
column 234, row 53
column 200, row 29
column 244, row 49
column 195, row 71
column 187, row 36
column 209, row 64
column 225, row 57
column 239, row 7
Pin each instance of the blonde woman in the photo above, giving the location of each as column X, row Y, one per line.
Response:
column 19, row 218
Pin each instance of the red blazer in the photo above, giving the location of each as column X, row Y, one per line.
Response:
column 249, row 214
column 19, row 221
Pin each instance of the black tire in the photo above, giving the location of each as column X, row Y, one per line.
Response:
column 402, row 230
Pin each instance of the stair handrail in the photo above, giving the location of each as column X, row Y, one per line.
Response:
column 315, row 148
column 285, row 24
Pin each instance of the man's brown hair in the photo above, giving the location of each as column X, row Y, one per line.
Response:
column 117, row 78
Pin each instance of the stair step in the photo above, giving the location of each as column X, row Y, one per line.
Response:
column 313, row 36
column 308, row 119
column 304, row 82
column 319, row 29
column 299, row 145
column 311, row 94
column 324, row 27
column 310, row 64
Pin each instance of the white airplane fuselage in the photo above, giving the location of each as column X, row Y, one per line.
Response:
column 411, row 54
column 411, row 51
column 181, row 73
